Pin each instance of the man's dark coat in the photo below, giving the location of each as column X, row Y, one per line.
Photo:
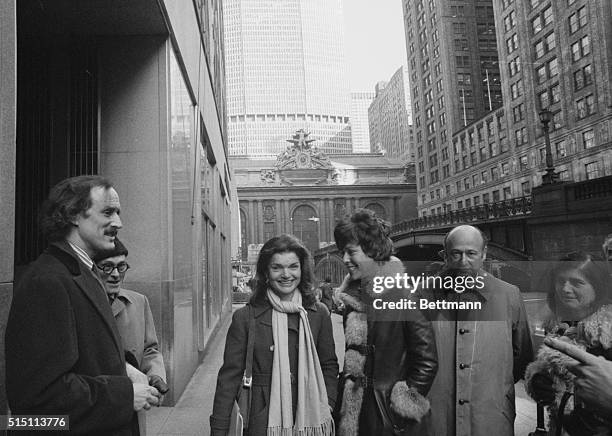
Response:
column 63, row 351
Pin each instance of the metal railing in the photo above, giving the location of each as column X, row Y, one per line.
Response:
column 510, row 208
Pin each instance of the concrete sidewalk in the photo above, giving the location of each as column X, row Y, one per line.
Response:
column 189, row 417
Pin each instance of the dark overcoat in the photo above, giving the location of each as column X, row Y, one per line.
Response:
column 63, row 351
column 230, row 374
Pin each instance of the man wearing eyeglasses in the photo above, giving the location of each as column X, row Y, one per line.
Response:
column 483, row 352
column 134, row 318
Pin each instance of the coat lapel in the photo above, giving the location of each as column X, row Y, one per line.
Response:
column 90, row 286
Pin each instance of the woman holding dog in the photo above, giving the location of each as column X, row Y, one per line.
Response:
column 581, row 314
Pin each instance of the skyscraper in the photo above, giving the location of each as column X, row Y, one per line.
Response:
column 454, row 75
column 285, row 71
column 360, row 131
column 390, row 118
column 549, row 59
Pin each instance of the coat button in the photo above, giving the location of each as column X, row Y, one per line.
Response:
column 463, row 365
column 272, row 347
column 463, row 331
column 462, row 402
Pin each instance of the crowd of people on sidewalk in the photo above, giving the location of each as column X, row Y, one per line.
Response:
column 79, row 344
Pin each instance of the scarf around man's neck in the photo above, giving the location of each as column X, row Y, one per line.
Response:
column 312, row 415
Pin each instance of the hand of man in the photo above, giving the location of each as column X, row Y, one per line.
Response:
column 135, row 375
column 158, row 383
column 145, row 396
column 593, row 382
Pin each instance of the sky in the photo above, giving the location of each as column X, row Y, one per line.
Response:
column 375, row 41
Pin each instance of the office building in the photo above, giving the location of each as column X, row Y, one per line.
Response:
column 549, row 60
column 285, row 71
column 454, row 76
column 360, row 130
column 390, row 118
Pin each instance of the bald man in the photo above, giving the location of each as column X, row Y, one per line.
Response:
column 482, row 352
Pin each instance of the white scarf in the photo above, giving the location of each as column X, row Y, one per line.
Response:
column 313, row 415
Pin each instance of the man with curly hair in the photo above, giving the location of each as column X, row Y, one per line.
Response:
column 63, row 351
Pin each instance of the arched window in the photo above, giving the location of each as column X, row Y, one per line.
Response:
column 269, row 220
column 306, row 226
column 378, row 209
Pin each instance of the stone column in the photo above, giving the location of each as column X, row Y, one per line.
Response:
column 288, row 222
column 252, row 221
column 259, row 221
column 278, row 217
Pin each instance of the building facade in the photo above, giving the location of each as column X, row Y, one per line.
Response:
column 548, row 60
column 134, row 94
column 360, row 129
column 305, row 192
column 285, row 70
column 454, row 76
column 390, row 118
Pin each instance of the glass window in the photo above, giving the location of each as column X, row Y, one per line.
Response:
column 592, row 170
column 512, row 43
column 588, row 138
column 585, row 106
column 543, row 99
column 539, row 49
column 519, row 113
column 514, row 66
column 587, row 72
column 509, row 21
column 553, row 67
column 560, row 150
column 484, row 176
column 536, row 24
column 526, row 188
column 555, row 94
column 548, row 16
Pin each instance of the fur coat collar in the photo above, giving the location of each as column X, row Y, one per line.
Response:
column 405, row 401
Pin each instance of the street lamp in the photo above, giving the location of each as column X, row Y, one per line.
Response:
column 550, row 176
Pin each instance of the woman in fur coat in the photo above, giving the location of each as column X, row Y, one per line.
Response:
column 581, row 314
column 390, row 363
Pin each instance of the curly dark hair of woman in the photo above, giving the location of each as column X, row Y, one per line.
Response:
column 66, row 201
column 590, row 267
column 365, row 229
column 285, row 244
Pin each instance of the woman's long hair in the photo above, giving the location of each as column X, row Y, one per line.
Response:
column 365, row 229
column 592, row 270
column 285, row 244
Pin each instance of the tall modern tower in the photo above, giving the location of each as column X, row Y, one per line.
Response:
column 285, row 71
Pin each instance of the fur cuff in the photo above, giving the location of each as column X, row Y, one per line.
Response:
column 352, row 302
column 407, row 402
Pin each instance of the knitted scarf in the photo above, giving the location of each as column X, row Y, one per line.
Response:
column 313, row 415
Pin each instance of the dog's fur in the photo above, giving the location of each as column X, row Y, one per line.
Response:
column 595, row 331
